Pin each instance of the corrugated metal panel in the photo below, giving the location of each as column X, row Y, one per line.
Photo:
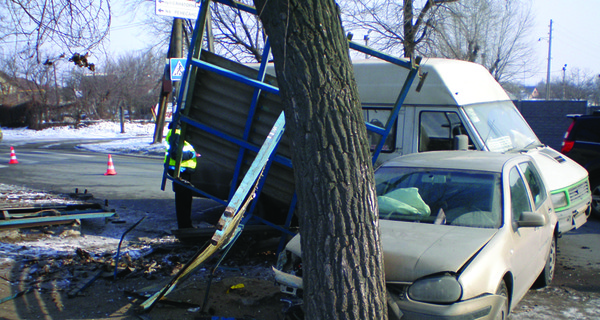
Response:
column 223, row 104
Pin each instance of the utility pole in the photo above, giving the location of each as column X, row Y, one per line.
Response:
column 549, row 59
column 210, row 40
column 564, row 83
column 175, row 51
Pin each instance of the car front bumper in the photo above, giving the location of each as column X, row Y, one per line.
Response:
column 482, row 307
column 571, row 218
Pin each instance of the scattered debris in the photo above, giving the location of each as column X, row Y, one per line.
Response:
column 78, row 261
column 85, row 283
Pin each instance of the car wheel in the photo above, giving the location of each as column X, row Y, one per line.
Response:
column 545, row 278
column 502, row 291
column 595, row 188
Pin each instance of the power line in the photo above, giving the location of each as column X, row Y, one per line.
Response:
column 128, row 26
column 577, row 47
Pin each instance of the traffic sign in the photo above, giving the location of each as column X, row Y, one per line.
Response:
column 186, row 9
column 177, row 68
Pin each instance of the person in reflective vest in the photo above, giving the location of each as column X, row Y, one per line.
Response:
column 183, row 195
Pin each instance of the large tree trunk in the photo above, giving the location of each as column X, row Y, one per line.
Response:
column 342, row 257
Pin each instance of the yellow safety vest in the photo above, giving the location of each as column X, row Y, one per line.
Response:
column 190, row 163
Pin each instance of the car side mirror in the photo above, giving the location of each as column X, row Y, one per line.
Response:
column 531, row 219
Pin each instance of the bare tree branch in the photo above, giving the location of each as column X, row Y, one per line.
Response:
column 72, row 25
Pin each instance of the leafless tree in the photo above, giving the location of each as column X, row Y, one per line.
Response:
column 32, row 80
column 494, row 33
column 574, row 84
column 94, row 94
column 595, row 88
column 129, row 81
column 35, row 86
column 71, row 25
column 391, row 25
column 237, row 35
column 158, row 26
column 136, row 81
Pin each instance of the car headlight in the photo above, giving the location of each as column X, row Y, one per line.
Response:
column 437, row 289
column 559, row 199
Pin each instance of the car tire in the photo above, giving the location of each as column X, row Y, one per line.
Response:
column 545, row 278
column 504, row 309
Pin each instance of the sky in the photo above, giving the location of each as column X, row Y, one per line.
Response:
column 575, row 37
column 128, row 30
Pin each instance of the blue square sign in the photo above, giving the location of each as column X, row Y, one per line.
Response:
column 177, row 68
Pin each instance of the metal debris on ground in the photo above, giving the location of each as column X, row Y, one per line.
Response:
column 121, row 241
column 16, row 295
column 51, row 214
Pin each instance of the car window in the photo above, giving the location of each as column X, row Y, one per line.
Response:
column 437, row 130
column 538, row 193
column 519, row 198
column 439, row 196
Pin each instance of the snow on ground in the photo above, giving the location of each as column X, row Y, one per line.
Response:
column 137, row 138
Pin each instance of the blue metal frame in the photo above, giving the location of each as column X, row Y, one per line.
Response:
column 187, row 82
column 260, row 85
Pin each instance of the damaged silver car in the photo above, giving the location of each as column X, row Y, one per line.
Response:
column 465, row 234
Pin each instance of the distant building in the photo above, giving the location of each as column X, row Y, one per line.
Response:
column 534, row 94
column 14, row 91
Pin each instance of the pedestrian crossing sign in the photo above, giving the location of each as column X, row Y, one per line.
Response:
column 177, row 68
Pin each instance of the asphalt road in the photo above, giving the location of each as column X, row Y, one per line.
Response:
column 60, row 167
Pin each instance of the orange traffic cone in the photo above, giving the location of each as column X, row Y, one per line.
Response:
column 13, row 157
column 111, row 167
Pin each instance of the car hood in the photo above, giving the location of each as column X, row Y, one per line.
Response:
column 559, row 170
column 413, row 250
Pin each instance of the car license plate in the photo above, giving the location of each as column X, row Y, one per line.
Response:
column 579, row 219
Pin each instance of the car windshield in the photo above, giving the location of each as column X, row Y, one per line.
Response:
column 439, row 196
column 501, row 126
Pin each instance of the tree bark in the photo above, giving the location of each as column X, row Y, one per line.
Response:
column 337, row 205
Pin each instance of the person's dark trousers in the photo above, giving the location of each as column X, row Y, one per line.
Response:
column 183, row 203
